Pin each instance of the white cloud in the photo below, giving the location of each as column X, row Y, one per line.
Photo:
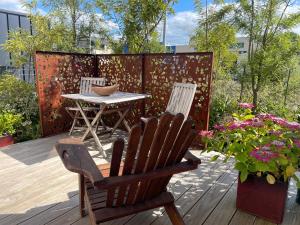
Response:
column 180, row 27
column 13, row 5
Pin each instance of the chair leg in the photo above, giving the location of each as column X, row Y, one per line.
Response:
column 81, row 196
column 74, row 123
column 174, row 215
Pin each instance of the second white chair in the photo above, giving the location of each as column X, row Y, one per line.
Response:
column 85, row 88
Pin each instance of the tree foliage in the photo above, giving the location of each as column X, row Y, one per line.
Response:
column 61, row 29
column 271, row 45
column 137, row 21
column 213, row 33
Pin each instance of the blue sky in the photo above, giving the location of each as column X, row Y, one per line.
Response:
column 180, row 26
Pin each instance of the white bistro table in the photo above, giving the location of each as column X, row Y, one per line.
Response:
column 104, row 102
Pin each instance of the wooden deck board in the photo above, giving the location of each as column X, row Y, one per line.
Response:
column 36, row 189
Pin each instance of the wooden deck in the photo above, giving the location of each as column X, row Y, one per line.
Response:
column 37, row 189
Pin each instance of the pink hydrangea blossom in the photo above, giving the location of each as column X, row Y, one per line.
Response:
column 293, row 125
column 206, row 133
column 265, row 116
column 278, row 144
column 263, row 153
column 246, row 105
column 219, row 127
column 275, row 132
column 297, row 143
column 234, row 125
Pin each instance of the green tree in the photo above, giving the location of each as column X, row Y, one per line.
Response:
column 78, row 15
column 137, row 21
column 214, row 33
column 271, row 45
column 22, row 44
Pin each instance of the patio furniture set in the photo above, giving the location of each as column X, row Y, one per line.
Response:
column 156, row 147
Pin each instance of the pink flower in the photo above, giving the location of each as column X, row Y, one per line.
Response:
column 292, row 125
column 275, row 132
column 278, row 144
column 279, row 121
column 234, row 125
column 256, row 122
column 265, row 116
column 297, row 143
column 246, row 105
column 263, row 153
column 206, row 133
column 219, row 127
column 246, row 123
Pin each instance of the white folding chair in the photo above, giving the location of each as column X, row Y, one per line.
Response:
column 181, row 98
column 85, row 88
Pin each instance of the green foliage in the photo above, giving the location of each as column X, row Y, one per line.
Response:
column 9, row 122
column 78, row 17
column 19, row 98
column 66, row 23
column 263, row 145
column 224, row 100
column 216, row 34
column 271, row 46
column 137, row 21
column 220, row 37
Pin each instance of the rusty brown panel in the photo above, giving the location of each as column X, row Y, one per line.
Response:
column 58, row 74
column 125, row 70
column 162, row 70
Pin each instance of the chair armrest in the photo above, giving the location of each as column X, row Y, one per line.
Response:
column 115, row 181
column 77, row 159
column 191, row 158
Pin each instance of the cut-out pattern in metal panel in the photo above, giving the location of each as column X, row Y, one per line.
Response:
column 126, row 71
column 161, row 71
column 59, row 74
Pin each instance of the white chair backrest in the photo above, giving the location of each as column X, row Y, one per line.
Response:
column 181, row 98
column 86, row 84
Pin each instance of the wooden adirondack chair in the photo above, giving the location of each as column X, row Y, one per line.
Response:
column 85, row 88
column 139, row 182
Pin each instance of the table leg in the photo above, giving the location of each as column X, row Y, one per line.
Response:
column 90, row 126
column 122, row 118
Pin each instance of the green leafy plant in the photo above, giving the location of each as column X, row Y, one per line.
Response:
column 19, row 98
column 262, row 145
column 9, row 122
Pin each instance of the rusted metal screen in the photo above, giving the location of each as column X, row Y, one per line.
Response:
column 126, row 71
column 57, row 74
column 162, row 70
column 153, row 74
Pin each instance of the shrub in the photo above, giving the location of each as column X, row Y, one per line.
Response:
column 9, row 122
column 19, row 97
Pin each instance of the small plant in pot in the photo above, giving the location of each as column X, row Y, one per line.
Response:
column 266, row 149
column 8, row 124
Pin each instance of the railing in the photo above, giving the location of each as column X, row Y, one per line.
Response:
column 26, row 72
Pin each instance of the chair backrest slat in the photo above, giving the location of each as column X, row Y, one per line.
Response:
column 142, row 156
column 181, row 98
column 87, row 82
column 133, row 143
column 151, row 150
column 114, row 169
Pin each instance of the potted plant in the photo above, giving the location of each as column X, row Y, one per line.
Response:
column 266, row 149
column 8, row 124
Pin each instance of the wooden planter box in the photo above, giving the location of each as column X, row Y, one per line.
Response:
column 264, row 200
column 6, row 140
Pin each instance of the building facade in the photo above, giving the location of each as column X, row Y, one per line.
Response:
column 10, row 21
